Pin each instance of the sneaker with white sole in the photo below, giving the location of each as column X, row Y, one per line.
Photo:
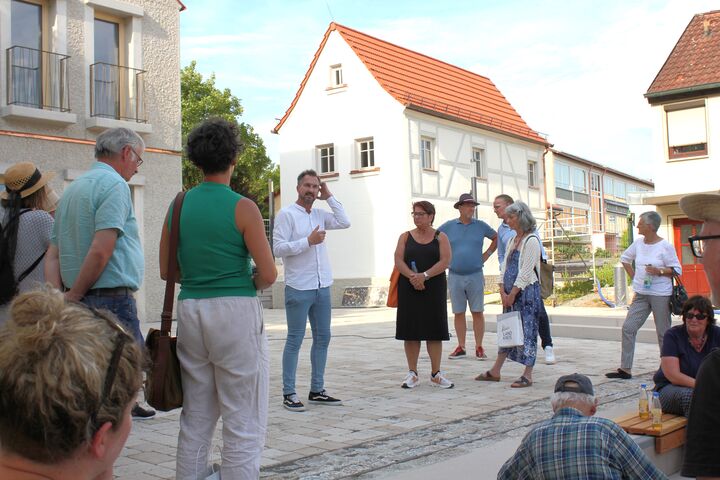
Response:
column 459, row 352
column 322, row 398
column 411, row 380
column 480, row 353
column 439, row 380
column 292, row 402
column 549, row 355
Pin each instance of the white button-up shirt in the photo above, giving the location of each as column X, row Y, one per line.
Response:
column 307, row 267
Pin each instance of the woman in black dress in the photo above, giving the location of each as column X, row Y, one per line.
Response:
column 421, row 256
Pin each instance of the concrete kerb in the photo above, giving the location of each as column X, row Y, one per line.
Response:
column 365, row 367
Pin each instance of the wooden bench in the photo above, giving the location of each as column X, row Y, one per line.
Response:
column 671, row 435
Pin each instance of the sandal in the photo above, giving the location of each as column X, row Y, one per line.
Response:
column 487, row 377
column 521, row 382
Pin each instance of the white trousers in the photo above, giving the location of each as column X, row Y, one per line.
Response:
column 224, row 361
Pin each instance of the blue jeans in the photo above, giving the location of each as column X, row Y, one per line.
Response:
column 299, row 306
column 124, row 308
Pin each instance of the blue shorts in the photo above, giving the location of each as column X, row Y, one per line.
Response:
column 467, row 289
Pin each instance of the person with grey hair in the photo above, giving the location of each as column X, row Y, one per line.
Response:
column 520, row 292
column 576, row 444
column 655, row 264
column 95, row 254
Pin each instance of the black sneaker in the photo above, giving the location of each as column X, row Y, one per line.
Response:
column 293, row 403
column 322, row 398
column 141, row 412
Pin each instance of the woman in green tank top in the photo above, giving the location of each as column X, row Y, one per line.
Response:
column 222, row 345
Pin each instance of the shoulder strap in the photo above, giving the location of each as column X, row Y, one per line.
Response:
column 29, row 270
column 166, row 316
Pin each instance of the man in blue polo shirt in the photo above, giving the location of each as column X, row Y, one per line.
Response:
column 466, row 281
column 95, row 253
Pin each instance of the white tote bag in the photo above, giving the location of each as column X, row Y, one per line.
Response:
column 510, row 330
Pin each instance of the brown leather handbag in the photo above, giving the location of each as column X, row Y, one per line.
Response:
column 163, row 386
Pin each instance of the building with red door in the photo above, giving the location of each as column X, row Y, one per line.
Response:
column 685, row 96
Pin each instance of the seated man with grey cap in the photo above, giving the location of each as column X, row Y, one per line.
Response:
column 574, row 444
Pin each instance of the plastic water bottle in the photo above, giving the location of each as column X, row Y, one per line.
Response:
column 413, row 266
column 643, row 409
column 647, row 281
column 656, row 412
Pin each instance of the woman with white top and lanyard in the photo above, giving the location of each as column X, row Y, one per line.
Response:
column 655, row 264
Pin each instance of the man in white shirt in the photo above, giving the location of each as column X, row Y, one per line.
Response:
column 299, row 239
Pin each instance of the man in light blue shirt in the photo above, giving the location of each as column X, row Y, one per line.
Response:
column 95, row 253
column 466, row 280
column 505, row 235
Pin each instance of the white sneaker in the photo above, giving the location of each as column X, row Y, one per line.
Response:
column 439, row 380
column 411, row 380
column 549, row 356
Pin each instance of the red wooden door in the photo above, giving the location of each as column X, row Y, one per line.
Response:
column 693, row 274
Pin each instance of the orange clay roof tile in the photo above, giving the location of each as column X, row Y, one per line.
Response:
column 695, row 60
column 429, row 85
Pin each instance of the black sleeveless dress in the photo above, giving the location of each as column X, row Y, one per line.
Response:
column 422, row 314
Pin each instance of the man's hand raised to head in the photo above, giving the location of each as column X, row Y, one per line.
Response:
column 324, row 191
column 316, row 236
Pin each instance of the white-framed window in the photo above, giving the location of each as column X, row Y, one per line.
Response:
column 608, row 183
column 619, row 189
column 562, row 176
column 686, row 130
column 579, row 180
column 365, row 152
column 532, row 173
column 336, row 76
column 427, row 148
column 479, row 162
column 326, row 158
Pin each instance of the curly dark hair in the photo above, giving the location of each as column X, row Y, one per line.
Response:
column 214, row 145
column 702, row 305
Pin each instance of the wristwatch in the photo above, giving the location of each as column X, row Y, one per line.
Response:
column 426, row 275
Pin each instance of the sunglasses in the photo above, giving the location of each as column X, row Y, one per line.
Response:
column 699, row 316
column 121, row 339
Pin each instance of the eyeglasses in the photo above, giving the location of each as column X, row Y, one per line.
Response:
column 418, row 214
column 139, row 158
column 699, row 316
column 697, row 243
column 121, row 339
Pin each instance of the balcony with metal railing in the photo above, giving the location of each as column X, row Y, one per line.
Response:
column 117, row 93
column 37, row 85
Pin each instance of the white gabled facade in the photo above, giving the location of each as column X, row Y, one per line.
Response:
column 346, row 114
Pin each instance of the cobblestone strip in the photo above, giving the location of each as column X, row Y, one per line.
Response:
column 432, row 444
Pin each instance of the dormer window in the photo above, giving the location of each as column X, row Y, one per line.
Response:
column 336, row 76
column 686, row 130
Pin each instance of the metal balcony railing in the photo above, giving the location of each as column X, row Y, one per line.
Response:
column 117, row 92
column 37, row 79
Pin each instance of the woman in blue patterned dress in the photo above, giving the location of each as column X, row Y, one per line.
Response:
column 520, row 291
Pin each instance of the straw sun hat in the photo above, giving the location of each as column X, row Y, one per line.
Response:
column 702, row 206
column 24, row 178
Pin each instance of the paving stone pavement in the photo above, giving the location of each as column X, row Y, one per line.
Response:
column 381, row 427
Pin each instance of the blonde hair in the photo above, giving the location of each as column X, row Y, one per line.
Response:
column 55, row 357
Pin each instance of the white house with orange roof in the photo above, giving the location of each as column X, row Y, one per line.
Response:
column 385, row 126
column 685, row 99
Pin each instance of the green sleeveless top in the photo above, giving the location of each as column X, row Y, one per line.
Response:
column 212, row 255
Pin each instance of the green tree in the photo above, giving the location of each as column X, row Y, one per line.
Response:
column 201, row 99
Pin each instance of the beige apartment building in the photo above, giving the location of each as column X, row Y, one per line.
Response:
column 70, row 69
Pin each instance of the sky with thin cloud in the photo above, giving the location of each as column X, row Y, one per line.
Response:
column 574, row 70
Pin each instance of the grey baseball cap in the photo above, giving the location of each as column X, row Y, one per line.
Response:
column 576, row 383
